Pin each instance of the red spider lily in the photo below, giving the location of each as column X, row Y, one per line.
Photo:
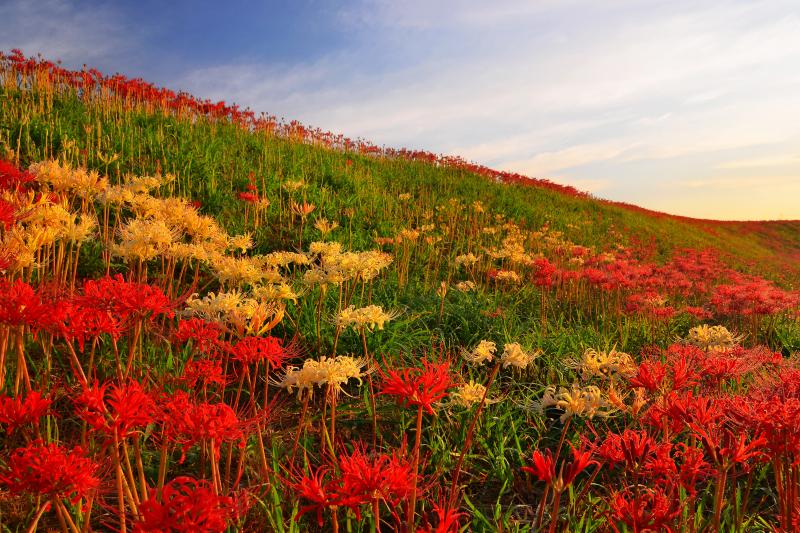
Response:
column 420, row 387
column 447, row 521
column 205, row 371
column 362, row 479
column 7, row 214
column 543, row 272
column 648, row 509
column 718, row 368
column 204, row 335
column 74, row 322
column 632, row 448
column 188, row 423
column 646, row 304
column 251, row 350
column 12, row 178
column 185, row 504
column 736, row 363
column 379, row 477
column 17, row 412
column 544, row 466
column 773, row 410
column 682, row 409
column 683, row 361
column 581, row 459
column 650, row 375
column 116, row 409
column 249, row 197
column 749, row 296
column 321, row 493
column 50, row 470
column 693, row 467
column 726, row 447
column 661, row 465
column 698, row 312
column 22, row 305
column 125, row 299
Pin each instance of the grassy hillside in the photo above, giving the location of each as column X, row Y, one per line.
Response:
column 270, row 328
column 213, row 160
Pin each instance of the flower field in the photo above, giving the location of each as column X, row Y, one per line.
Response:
column 212, row 320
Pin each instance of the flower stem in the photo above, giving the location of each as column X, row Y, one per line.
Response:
column 412, row 502
column 470, row 433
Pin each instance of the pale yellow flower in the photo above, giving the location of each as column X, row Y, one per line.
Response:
column 325, row 249
column 514, row 355
column 712, row 338
column 465, row 286
column 241, row 243
column 484, row 352
column 594, row 363
column 508, row 276
column 370, row 317
column 294, row 185
column 143, row 239
column 467, row 259
column 586, row 402
column 331, row 372
column 324, row 226
column 469, row 394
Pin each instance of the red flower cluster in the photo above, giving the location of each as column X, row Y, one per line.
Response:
column 544, row 467
column 252, row 350
column 116, row 409
column 185, row 505
column 187, row 422
column 125, row 300
column 420, row 387
column 12, row 178
column 362, row 479
column 52, row 471
column 17, row 412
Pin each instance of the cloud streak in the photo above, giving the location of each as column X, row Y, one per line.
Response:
column 59, row 29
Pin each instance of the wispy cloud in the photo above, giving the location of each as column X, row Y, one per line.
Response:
column 61, row 29
column 762, row 162
column 547, row 163
column 752, row 183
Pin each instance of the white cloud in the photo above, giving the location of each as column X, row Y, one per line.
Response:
column 761, row 162
column 60, row 29
column 547, row 163
column 749, row 183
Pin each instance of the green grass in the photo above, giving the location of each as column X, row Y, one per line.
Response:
column 213, row 161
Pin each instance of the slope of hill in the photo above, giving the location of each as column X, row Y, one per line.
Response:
column 250, row 324
column 215, row 149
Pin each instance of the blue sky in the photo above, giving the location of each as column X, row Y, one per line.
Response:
column 686, row 107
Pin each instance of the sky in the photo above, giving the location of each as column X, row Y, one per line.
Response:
column 687, row 107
